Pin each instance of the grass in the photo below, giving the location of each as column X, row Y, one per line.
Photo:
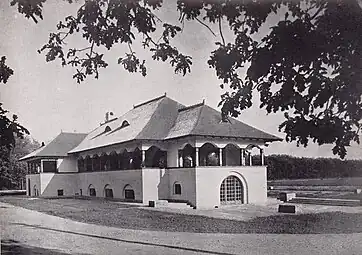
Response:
column 126, row 216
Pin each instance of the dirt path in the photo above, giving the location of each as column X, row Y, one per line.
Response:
column 45, row 234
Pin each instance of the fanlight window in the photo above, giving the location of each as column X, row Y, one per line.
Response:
column 124, row 124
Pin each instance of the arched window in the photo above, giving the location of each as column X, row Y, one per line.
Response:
column 209, row 155
column 231, row 191
column 96, row 163
column 177, row 188
column 35, row 191
column 128, row 192
column 113, row 161
column 92, row 191
column 81, row 165
column 108, row 191
column 125, row 123
column 88, row 164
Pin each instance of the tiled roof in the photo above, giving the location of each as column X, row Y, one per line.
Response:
column 150, row 120
column 158, row 119
column 58, row 147
column 203, row 120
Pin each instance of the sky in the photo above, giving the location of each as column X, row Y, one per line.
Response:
column 48, row 100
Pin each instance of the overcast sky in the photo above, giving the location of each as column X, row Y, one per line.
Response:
column 47, row 99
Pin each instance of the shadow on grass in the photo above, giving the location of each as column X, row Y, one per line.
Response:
column 12, row 247
column 126, row 217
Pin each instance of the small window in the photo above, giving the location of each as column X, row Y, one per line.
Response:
column 124, row 124
column 109, row 193
column 177, row 189
column 107, row 129
column 81, row 193
column 60, row 192
column 92, row 192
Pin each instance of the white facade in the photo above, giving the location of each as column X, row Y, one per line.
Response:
column 197, row 185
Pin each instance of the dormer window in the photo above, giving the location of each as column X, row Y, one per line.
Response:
column 124, row 124
column 107, row 129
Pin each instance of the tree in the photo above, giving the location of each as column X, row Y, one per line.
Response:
column 307, row 65
column 12, row 172
column 9, row 128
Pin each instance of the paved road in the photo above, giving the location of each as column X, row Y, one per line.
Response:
column 32, row 232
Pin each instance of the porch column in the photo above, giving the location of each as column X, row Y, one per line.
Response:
column 197, row 156
column 242, row 156
column 143, row 158
column 262, row 157
column 220, row 156
column 250, row 159
column 41, row 166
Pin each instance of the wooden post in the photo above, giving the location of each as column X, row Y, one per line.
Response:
column 143, row 158
column 250, row 159
column 197, row 157
column 220, row 156
column 242, row 155
column 262, row 157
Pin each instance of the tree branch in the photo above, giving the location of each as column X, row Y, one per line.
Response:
column 222, row 36
column 202, row 23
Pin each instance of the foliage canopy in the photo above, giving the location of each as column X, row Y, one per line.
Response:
column 307, row 65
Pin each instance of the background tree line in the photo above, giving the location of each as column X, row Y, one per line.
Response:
column 288, row 167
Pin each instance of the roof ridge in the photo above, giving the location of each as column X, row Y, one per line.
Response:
column 192, row 106
column 149, row 101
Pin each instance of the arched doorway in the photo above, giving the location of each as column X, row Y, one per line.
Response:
column 129, row 192
column 231, row 191
column 35, row 191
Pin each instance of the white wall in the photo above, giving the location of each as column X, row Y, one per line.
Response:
column 34, row 180
column 186, row 177
column 51, row 182
column 150, row 183
column 117, row 179
column 67, row 165
column 209, row 179
column 164, row 184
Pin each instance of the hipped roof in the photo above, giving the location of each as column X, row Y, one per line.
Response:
column 163, row 119
column 58, row 147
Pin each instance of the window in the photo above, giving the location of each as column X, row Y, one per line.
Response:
column 107, row 129
column 92, row 192
column 60, row 192
column 177, row 189
column 129, row 192
column 49, row 166
column 124, row 124
column 108, row 192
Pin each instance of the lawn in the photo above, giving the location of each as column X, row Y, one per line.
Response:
column 127, row 216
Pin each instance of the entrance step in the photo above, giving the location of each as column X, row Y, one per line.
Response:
column 326, row 201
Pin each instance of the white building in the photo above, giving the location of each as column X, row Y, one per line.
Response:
column 160, row 149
